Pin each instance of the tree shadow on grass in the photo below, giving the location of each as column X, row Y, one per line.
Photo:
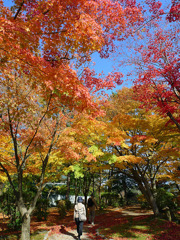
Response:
column 132, row 231
column 141, row 228
column 126, row 230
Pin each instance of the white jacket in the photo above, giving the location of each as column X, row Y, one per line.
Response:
column 79, row 207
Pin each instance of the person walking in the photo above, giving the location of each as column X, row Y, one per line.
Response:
column 92, row 205
column 79, row 211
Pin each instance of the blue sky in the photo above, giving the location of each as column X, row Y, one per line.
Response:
column 7, row 3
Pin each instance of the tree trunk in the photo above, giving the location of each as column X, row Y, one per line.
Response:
column 153, row 204
column 77, row 189
column 145, row 189
column 25, row 229
column 124, row 185
column 68, row 186
column 93, row 183
column 149, row 197
column 86, row 185
column 152, row 199
column 99, row 188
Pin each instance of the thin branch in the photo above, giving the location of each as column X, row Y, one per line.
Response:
column 25, row 154
column 157, row 169
column 9, row 178
column 7, row 161
column 14, row 140
column 19, row 9
column 44, row 13
column 62, row 58
column 49, row 33
column 148, row 21
column 169, row 114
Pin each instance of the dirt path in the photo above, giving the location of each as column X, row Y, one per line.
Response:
column 136, row 211
column 69, row 235
column 72, row 234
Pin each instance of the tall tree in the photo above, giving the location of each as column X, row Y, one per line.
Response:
column 150, row 146
column 158, row 81
column 153, row 52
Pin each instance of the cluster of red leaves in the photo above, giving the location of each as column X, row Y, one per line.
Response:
column 94, row 83
column 174, row 14
column 154, row 6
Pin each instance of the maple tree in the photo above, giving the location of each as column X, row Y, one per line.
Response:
column 149, row 150
column 155, row 58
column 153, row 52
column 158, row 81
column 30, row 126
column 39, row 86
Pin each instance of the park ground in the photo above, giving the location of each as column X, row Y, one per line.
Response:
column 112, row 223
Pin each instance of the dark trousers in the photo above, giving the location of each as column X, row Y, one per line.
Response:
column 79, row 226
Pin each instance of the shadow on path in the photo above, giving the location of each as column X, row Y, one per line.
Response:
column 65, row 232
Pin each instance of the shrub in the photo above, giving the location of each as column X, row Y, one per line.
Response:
column 15, row 221
column 115, row 204
column 166, row 203
column 41, row 211
column 165, row 199
column 122, row 202
column 102, row 206
column 62, row 208
column 110, row 198
column 8, row 206
column 68, row 204
column 142, row 201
